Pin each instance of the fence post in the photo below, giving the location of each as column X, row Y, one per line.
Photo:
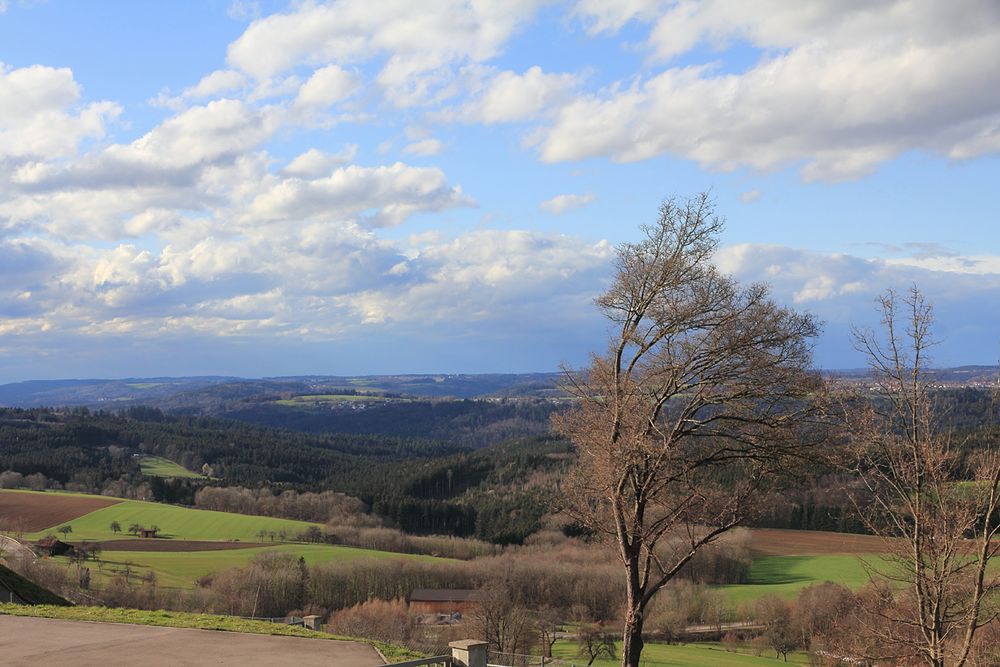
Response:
column 469, row 652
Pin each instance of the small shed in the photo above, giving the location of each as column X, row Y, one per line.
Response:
column 443, row 600
column 52, row 546
column 147, row 532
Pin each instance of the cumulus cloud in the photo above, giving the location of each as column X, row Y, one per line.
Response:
column 840, row 87
column 219, row 81
column 562, row 203
column 509, row 97
column 38, row 114
column 841, row 290
column 381, row 196
column 314, row 162
column 424, row 147
column 327, row 86
column 421, row 41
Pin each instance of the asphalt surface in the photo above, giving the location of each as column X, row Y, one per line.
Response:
column 44, row 641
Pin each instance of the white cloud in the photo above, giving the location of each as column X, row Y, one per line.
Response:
column 379, row 196
column 750, row 196
column 37, row 115
column 327, row 86
column 314, row 162
column 421, row 42
column 562, row 203
column 219, row 81
column 508, row 97
column 843, row 88
column 841, row 290
column 424, row 147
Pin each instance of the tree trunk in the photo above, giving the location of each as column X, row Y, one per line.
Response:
column 632, row 640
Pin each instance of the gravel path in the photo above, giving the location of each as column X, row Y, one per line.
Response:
column 43, row 641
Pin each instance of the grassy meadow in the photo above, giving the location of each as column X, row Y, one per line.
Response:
column 155, row 466
column 787, row 575
column 682, row 655
column 182, row 569
column 180, row 523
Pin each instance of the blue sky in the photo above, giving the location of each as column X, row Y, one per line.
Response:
column 267, row 188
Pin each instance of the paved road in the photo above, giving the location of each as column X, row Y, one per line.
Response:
column 39, row 641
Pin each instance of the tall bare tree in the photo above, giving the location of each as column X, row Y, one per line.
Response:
column 937, row 509
column 697, row 398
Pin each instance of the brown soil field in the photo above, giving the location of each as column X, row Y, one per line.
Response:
column 32, row 512
column 776, row 542
column 158, row 544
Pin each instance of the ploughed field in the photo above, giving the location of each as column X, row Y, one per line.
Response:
column 31, row 511
column 778, row 542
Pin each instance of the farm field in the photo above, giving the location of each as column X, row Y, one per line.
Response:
column 681, row 655
column 179, row 523
column 34, row 511
column 183, row 569
column 314, row 400
column 778, row 542
column 787, row 575
column 154, row 466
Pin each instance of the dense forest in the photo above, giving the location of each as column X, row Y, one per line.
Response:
column 421, row 485
column 431, row 484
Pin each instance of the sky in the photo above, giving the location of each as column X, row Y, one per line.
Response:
column 232, row 187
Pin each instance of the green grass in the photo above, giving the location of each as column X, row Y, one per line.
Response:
column 180, row 523
column 681, row 655
column 787, row 575
column 176, row 619
column 183, row 569
column 315, row 399
column 154, row 466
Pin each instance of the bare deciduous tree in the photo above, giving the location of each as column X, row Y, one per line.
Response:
column 503, row 621
column 592, row 642
column 937, row 511
column 678, row 424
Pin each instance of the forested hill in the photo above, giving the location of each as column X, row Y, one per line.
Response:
column 424, row 486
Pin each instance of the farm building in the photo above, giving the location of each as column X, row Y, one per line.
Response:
column 443, row 600
column 51, row 546
column 147, row 532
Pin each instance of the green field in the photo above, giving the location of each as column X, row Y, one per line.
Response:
column 787, row 575
column 183, row 569
column 154, row 466
column 319, row 399
column 682, row 655
column 179, row 523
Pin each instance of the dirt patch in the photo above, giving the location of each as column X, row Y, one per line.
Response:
column 157, row 544
column 775, row 542
column 32, row 512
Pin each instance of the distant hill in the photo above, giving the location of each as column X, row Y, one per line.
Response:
column 959, row 376
column 211, row 394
